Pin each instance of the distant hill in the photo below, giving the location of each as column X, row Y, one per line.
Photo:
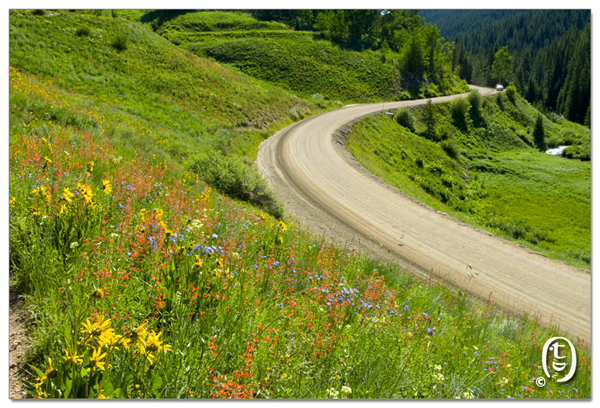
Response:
column 452, row 23
column 550, row 50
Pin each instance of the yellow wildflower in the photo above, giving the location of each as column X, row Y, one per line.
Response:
column 86, row 192
column 153, row 344
column 73, row 358
column 139, row 334
column 12, row 202
column 90, row 166
column 98, row 294
column 282, row 226
column 144, row 352
column 67, row 195
column 51, row 372
column 40, row 394
column 37, row 190
column 106, row 187
column 110, row 340
column 95, row 360
column 97, row 329
column 198, row 261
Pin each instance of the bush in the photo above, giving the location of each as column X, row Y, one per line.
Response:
column 474, row 99
column 451, row 148
column 405, row 118
column 511, row 92
column 236, row 177
column 460, row 108
column 39, row 12
column 318, row 100
column 82, row 32
column 120, row 43
column 298, row 113
column 581, row 152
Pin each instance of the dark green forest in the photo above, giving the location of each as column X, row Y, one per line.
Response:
column 550, row 52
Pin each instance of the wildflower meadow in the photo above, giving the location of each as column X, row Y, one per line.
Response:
column 141, row 281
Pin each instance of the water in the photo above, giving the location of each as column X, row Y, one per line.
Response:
column 557, row 151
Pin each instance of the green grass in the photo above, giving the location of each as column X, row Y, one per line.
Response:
column 485, row 171
column 106, row 219
column 198, row 105
column 217, row 21
column 294, row 60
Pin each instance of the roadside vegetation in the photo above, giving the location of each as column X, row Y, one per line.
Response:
column 482, row 160
column 142, row 281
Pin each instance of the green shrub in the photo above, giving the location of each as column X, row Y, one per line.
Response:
column 236, row 177
column 318, row 100
column 460, row 108
column 82, row 31
column 298, row 113
column 39, row 12
column 119, row 43
column 582, row 152
column 451, row 148
column 405, row 117
column 511, row 92
column 474, row 99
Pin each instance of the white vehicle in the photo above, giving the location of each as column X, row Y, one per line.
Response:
column 499, row 88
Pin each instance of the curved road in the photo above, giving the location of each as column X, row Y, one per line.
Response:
column 328, row 190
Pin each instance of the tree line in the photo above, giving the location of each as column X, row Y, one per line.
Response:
column 550, row 54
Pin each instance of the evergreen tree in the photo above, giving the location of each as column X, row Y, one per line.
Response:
column 429, row 118
column 538, row 133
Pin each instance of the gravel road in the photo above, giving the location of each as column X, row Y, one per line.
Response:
column 324, row 187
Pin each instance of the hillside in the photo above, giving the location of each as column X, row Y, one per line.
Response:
column 453, row 23
column 481, row 163
column 141, row 281
column 306, row 63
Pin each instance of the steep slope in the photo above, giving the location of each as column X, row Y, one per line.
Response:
column 305, row 63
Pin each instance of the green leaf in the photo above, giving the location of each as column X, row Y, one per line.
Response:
column 39, row 372
column 157, row 383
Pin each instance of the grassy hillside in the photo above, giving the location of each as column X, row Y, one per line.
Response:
column 142, row 282
column 207, row 115
column 294, row 60
column 483, row 166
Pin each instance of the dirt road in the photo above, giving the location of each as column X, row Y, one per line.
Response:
column 328, row 190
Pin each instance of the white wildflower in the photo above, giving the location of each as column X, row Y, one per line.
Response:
column 332, row 393
column 468, row 395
